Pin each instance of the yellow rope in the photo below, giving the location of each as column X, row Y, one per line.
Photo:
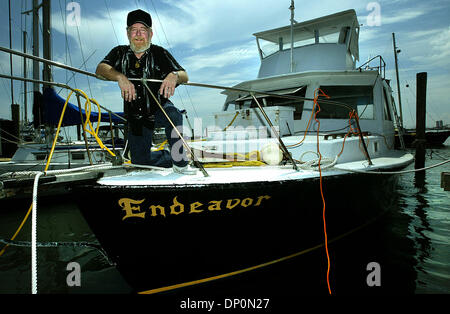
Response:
column 229, row 164
column 18, row 229
column 88, row 121
column 91, row 131
column 161, row 146
column 233, row 273
column 235, row 116
column 237, row 272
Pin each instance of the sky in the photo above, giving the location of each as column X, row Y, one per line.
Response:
column 213, row 41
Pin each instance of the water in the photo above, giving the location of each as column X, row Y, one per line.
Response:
column 410, row 244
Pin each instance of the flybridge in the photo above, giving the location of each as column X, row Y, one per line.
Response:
column 326, row 43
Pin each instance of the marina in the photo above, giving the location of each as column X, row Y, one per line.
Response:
column 300, row 168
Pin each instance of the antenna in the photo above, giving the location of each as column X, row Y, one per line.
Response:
column 292, row 8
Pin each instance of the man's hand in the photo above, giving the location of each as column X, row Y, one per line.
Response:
column 126, row 88
column 168, row 85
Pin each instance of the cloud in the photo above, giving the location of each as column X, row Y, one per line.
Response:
column 428, row 49
column 223, row 57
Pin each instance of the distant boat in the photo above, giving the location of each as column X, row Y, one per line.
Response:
column 435, row 137
column 32, row 156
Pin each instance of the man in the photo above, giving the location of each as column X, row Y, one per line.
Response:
column 142, row 59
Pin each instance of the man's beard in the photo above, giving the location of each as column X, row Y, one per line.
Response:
column 141, row 49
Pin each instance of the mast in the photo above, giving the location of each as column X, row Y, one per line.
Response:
column 292, row 34
column 47, row 54
column 36, row 74
column 46, row 39
column 398, row 80
column 25, row 118
column 10, row 55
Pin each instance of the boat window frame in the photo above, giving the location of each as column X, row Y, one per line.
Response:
column 247, row 101
column 360, row 108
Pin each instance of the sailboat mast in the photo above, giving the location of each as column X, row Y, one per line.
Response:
column 36, row 74
column 398, row 81
column 10, row 55
column 46, row 39
column 25, row 76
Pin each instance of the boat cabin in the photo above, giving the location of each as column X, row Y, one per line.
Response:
column 324, row 55
column 326, row 43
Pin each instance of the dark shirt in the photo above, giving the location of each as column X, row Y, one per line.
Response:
column 155, row 63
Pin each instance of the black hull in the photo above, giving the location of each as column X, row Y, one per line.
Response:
column 435, row 138
column 216, row 229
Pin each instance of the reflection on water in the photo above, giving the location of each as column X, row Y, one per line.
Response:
column 429, row 207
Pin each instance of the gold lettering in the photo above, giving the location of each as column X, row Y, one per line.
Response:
column 176, row 204
column 230, row 204
column 194, row 207
column 260, row 198
column 247, row 202
column 156, row 207
column 177, row 208
column 215, row 205
column 126, row 203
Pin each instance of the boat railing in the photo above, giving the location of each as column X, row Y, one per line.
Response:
column 381, row 67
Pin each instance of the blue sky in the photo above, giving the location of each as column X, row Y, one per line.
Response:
column 213, row 40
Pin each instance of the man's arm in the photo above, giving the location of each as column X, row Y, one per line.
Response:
column 126, row 87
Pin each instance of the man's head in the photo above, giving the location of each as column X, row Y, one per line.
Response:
column 139, row 30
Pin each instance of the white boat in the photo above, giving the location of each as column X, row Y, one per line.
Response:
column 261, row 191
column 34, row 156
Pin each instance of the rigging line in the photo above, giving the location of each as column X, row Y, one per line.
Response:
column 170, row 49
column 84, row 60
column 73, row 74
column 68, row 54
column 110, row 19
column 429, row 103
column 4, row 84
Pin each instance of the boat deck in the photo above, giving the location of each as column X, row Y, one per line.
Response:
column 247, row 174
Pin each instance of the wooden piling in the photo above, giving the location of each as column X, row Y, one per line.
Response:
column 421, row 102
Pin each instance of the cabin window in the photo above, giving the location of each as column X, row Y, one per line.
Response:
column 40, row 156
column 358, row 98
column 78, row 156
column 329, row 38
column 269, row 48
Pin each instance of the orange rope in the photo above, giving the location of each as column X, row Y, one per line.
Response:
column 307, row 126
column 354, row 115
column 321, row 93
column 350, row 130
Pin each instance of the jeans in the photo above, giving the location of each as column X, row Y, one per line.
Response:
column 141, row 153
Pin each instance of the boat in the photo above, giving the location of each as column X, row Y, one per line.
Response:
column 434, row 137
column 104, row 147
column 33, row 155
column 312, row 131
